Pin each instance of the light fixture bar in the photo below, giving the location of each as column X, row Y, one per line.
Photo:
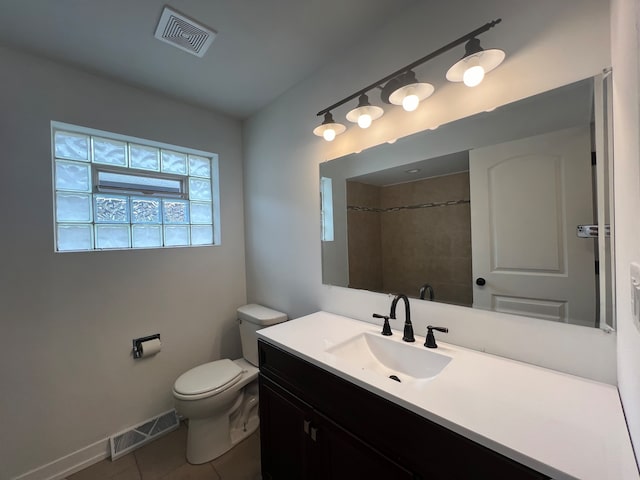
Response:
column 426, row 58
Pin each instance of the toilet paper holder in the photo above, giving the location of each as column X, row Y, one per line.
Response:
column 137, row 344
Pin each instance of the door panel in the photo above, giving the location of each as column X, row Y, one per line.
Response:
column 546, row 309
column 534, row 243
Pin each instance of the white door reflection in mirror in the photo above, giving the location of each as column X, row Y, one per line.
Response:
column 527, row 197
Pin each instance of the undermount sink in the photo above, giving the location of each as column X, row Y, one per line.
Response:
column 406, row 362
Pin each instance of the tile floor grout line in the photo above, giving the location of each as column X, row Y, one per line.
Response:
column 135, row 459
column 216, row 471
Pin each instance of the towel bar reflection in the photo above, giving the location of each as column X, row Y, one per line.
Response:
column 591, row 231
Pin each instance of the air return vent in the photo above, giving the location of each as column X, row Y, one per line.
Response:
column 123, row 442
column 184, row 33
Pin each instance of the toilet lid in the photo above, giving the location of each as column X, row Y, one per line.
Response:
column 207, row 377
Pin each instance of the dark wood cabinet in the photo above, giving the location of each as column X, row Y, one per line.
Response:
column 316, row 425
column 297, row 442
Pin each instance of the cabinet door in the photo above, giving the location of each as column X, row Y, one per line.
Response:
column 298, row 443
column 345, row 457
column 283, row 442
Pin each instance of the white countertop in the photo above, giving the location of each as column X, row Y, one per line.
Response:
column 563, row 426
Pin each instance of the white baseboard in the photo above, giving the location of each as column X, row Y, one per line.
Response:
column 70, row 464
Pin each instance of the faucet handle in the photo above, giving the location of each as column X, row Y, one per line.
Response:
column 431, row 339
column 386, row 328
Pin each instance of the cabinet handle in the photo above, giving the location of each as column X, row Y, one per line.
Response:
column 309, row 430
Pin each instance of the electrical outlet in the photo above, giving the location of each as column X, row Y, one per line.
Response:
column 635, row 293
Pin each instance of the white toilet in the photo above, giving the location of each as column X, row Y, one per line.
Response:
column 220, row 398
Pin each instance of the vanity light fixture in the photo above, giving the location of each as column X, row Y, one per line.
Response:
column 364, row 113
column 403, row 88
column 476, row 62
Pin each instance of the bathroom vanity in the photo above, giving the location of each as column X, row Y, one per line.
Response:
column 328, row 409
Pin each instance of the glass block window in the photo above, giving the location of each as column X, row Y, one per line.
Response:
column 117, row 192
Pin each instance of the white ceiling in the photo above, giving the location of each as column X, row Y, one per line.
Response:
column 427, row 168
column 263, row 47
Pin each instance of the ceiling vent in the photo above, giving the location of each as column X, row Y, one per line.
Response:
column 184, row 33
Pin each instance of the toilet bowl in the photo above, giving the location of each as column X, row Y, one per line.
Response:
column 220, row 398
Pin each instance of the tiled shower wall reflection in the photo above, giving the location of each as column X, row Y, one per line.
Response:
column 364, row 232
column 399, row 241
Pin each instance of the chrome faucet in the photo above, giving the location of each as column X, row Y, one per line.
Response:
column 426, row 288
column 408, row 328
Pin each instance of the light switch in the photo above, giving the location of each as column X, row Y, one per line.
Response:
column 635, row 293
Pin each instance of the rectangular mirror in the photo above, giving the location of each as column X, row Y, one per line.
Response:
column 507, row 210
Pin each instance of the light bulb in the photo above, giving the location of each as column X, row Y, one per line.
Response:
column 473, row 76
column 364, row 120
column 329, row 134
column 410, row 102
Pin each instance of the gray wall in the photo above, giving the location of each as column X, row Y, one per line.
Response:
column 625, row 39
column 282, row 158
column 66, row 320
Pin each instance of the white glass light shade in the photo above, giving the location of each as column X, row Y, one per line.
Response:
column 477, row 64
column 414, row 93
column 364, row 115
column 329, row 129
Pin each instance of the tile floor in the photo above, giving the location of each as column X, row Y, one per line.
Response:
column 164, row 459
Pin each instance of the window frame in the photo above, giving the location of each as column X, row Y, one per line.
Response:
column 96, row 167
column 96, row 188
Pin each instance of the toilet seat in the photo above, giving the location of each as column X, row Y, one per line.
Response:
column 207, row 380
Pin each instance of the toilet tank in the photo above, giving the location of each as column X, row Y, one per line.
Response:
column 252, row 318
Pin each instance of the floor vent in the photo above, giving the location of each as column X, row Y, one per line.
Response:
column 183, row 33
column 124, row 442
